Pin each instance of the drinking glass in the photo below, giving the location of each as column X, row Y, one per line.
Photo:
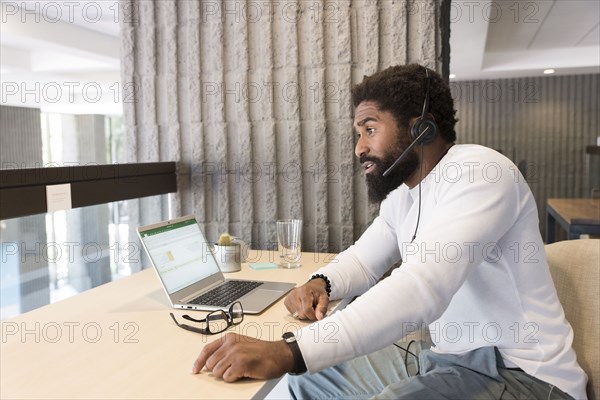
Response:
column 289, row 242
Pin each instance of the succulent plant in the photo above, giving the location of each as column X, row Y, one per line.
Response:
column 224, row 240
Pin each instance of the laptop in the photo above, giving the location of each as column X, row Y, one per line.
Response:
column 190, row 274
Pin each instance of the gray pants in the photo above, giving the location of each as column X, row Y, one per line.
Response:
column 479, row 374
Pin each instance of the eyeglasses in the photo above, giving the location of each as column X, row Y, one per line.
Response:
column 216, row 321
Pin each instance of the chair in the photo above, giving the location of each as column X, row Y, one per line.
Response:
column 575, row 266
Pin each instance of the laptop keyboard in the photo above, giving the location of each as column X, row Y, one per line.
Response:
column 226, row 293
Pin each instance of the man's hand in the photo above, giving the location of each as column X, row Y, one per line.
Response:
column 310, row 300
column 235, row 356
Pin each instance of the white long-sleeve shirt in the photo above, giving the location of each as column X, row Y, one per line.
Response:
column 476, row 275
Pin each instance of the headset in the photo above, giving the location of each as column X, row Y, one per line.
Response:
column 423, row 131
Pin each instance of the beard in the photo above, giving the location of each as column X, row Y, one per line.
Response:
column 378, row 186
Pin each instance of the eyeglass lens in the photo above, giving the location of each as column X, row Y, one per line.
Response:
column 216, row 321
column 236, row 313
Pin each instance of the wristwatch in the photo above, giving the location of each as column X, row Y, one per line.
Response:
column 299, row 365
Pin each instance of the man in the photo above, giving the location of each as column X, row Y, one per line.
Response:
column 464, row 224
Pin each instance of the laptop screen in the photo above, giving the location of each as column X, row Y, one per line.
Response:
column 180, row 254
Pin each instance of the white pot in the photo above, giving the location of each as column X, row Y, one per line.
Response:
column 228, row 257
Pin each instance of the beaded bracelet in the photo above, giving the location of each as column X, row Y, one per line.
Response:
column 327, row 282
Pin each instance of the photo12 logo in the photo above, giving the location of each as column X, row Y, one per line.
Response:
column 52, row 12
column 492, row 12
column 271, row 92
column 67, row 92
column 69, row 332
column 254, row 12
column 71, row 252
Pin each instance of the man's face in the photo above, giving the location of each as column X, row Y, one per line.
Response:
column 380, row 143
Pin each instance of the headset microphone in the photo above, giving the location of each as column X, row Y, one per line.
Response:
column 405, row 152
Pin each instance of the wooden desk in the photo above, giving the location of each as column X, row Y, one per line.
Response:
column 118, row 341
column 576, row 216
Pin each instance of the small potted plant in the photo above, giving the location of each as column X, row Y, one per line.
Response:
column 228, row 253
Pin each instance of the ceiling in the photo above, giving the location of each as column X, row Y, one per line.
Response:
column 63, row 56
column 502, row 39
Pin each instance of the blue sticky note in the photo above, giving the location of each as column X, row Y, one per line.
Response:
column 263, row 265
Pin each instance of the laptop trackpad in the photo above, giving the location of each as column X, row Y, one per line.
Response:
column 260, row 299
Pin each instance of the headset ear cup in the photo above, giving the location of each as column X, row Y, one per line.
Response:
column 419, row 126
column 415, row 130
column 429, row 136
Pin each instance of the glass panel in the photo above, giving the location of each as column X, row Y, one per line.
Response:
column 59, row 140
column 49, row 257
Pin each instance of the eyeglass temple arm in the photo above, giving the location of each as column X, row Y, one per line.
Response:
column 174, row 320
column 188, row 327
column 193, row 319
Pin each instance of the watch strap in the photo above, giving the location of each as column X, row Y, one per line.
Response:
column 299, row 364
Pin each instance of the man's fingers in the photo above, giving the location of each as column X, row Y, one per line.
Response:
column 320, row 313
column 233, row 373
column 307, row 310
column 235, row 357
column 206, row 352
column 215, row 358
column 222, row 352
column 307, row 303
column 294, row 300
column 321, row 306
column 221, row 367
column 288, row 302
